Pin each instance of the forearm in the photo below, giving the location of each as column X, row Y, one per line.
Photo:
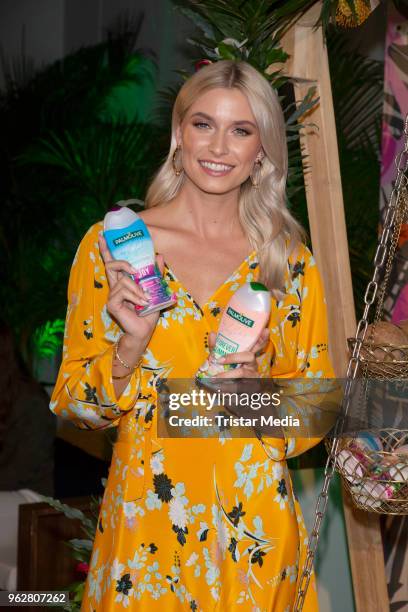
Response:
column 129, row 351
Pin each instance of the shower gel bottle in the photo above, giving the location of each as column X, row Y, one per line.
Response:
column 242, row 322
column 128, row 238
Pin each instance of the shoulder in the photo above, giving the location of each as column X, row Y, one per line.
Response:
column 162, row 225
column 149, row 215
column 88, row 247
column 92, row 234
column 158, row 218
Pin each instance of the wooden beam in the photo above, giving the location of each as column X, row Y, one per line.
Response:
column 308, row 64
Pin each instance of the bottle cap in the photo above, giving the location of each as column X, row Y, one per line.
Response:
column 255, row 286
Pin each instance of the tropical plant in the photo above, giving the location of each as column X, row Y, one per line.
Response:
column 73, row 143
column 71, row 147
column 357, row 86
column 81, row 548
column 252, row 31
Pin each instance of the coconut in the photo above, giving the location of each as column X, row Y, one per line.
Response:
column 385, row 333
column 404, row 326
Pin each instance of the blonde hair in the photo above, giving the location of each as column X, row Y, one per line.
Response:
column 270, row 227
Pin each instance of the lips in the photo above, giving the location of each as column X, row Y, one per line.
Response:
column 215, row 168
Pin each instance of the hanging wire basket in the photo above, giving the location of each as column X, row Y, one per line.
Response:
column 383, row 360
column 377, row 480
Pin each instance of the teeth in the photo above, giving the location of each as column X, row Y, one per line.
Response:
column 216, row 167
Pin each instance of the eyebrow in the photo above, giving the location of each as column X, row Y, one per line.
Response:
column 242, row 122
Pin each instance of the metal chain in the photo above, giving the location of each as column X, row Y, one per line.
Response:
column 401, row 162
column 400, row 215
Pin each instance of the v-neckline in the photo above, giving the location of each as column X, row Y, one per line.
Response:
column 215, row 293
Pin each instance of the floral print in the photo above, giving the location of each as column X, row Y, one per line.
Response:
column 199, row 524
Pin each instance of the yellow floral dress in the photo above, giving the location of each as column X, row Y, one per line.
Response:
column 204, row 524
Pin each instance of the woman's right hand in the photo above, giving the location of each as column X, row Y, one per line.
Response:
column 125, row 294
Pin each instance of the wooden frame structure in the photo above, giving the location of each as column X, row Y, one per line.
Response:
column 44, row 561
column 308, row 65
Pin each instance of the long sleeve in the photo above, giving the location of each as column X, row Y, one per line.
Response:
column 84, row 391
column 300, row 337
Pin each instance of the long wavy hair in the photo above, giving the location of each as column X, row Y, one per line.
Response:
column 271, row 229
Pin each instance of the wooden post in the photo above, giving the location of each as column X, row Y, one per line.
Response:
column 308, row 63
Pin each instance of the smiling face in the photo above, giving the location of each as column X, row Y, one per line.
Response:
column 220, row 141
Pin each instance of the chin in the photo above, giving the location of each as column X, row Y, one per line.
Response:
column 216, row 189
column 214, row 184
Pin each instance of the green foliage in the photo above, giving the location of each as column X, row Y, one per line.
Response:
column 234, row 29
column 70, row 149
column 88, row 525
column 81, row 548
column 357, row 85
column 103, row 163
column 47, row 338
column 254, row 21
column 251, row 31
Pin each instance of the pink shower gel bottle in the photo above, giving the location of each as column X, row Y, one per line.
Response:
column 242, row 322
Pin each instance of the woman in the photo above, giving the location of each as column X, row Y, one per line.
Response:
column 197, row 524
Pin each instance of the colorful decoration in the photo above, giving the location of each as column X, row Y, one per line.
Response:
column 201, row 63
column 395, row 111
column 349, row 16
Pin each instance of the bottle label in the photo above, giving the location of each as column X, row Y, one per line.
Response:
column 128, row 236
column 224, row 346
column 134, row 245
column 240, row 317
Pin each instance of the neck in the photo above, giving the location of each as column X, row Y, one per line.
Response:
column 207, row 214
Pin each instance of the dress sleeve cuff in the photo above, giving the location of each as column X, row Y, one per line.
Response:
column 93, row 401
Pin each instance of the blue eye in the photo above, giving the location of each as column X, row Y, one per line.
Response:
column 200, row 123
column 242, row 132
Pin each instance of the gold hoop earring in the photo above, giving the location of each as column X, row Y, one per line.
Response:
column 257, row 171
column 177, row 171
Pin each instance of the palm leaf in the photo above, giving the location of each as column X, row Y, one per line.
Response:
column 105, row 163
column 357, row 84
column 47, row 339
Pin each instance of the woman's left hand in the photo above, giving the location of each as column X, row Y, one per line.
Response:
column 248, row 367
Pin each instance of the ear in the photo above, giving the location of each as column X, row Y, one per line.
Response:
column 261, row 154
column 178, row 135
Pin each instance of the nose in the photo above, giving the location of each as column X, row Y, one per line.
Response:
column 219, row 143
